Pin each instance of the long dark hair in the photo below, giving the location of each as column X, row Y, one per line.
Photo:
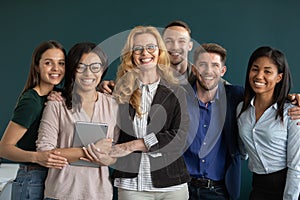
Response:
column 73, row 58
column 281, row 89
column 33, row 76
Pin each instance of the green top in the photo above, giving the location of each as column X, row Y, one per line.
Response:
column 28, row 113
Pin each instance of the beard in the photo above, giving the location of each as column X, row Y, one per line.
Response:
column 176, row 59
column 177, row 62
column 205, row 86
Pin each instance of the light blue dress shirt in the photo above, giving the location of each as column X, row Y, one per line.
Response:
column 272, row 145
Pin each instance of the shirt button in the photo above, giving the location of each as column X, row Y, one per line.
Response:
column 204, row 143
column 204, row 125
column 203, row 161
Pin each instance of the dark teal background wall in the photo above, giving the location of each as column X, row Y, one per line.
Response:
column 239, row 26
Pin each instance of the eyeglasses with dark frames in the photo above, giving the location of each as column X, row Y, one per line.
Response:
column 94, row 67
column 139, row 48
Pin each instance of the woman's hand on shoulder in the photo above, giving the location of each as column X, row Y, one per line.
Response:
column 294, row 112
column 55, row 96
column 106, row 87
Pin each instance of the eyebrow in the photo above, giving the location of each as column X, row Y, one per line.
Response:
column 50, row 59
column 47, row 59
column 265, row 67
column 182, row 37
column 145, row 44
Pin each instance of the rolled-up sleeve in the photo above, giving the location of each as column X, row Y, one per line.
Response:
column 150, row 140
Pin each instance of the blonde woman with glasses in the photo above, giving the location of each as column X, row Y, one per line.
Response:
column 153, row 122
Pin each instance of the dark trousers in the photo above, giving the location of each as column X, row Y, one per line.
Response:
column 212, row 193
column 268, row 186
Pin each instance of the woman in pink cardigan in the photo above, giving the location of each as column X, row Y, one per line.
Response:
column 86, row 63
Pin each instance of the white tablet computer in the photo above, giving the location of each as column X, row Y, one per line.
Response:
column 86, row 133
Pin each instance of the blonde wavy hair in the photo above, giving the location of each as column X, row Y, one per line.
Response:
column 127, row 87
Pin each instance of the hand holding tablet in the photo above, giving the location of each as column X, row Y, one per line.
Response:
column 86, row 133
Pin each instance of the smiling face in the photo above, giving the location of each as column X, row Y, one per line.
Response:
column 263, row 76
column 87, row 80
column 178, row 44
column 51, row 67
column 209, row 69
column 146, row 60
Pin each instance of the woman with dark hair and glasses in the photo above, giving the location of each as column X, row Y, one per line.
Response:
column 86, row 64
column 47, row 69
column 270, row 137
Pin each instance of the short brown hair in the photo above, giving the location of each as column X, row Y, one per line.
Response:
column 210, row 48
column 178, row 23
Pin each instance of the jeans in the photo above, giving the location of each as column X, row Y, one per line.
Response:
column 29, row 185
column 212, row 193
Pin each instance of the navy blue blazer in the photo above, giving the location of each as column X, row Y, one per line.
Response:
column 234, row 96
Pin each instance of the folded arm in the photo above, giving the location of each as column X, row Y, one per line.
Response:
column 8, row 149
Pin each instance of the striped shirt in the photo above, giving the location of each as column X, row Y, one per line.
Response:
column 143, row 181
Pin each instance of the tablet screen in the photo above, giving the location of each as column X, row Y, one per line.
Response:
column 87, row 132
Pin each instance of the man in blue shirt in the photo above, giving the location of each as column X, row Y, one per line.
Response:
column 213, row 157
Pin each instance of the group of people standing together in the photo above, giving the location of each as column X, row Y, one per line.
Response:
column 176, row 130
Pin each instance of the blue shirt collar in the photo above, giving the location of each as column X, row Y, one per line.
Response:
column 220, row 90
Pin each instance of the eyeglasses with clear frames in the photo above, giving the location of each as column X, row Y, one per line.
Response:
column 94, row 67
column 139, row 48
